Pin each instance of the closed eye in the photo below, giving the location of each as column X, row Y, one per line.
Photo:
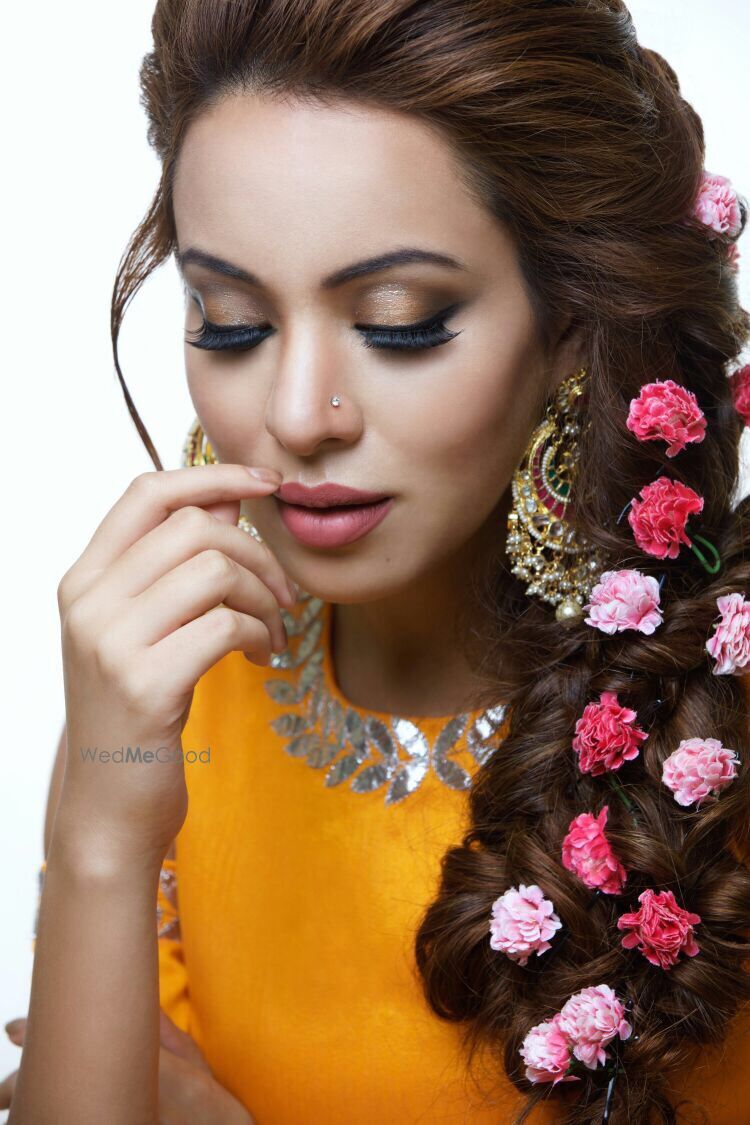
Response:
column 427, row 333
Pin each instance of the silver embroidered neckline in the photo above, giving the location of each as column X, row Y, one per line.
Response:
column 354, row 746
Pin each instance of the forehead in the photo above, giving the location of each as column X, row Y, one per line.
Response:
column 323, row 184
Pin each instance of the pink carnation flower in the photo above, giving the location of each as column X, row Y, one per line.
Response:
column 666, row 411
column 624, row 599
column 606, row 735
column 660, row 929
column 730, row 643
column 522, row 921
column 546, row 1052
column 717, row 205
column 591, row 1019
column 739, row 382
column 699, row 769
column 658, row 519
column 587, row 852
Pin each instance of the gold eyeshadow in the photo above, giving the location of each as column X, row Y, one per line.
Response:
column 383, row 303
column 395, row 303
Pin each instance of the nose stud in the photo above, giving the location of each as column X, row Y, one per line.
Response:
column 335, row 400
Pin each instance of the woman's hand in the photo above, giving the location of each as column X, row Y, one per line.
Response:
column 188, row 1092
column 163, row 590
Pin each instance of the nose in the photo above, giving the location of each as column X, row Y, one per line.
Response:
column 313, row 366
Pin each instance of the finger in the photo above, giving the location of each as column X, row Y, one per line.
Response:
column 184, row 534
column 179, row 1042
column 7, row 1086
column 194, row 587
column 197, row 646
column 151, row 497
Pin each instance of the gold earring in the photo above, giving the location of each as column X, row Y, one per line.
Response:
column 543, row 546
column 197, row 450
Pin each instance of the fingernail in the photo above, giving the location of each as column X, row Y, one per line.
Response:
column 265, row 474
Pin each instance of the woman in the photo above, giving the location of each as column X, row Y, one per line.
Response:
column 466, row 825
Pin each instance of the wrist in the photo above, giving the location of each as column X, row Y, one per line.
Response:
column 90, row 851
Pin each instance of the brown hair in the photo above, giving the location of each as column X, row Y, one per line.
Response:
column 579, row 140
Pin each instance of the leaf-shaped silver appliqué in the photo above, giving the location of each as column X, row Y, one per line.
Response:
column 364, row 751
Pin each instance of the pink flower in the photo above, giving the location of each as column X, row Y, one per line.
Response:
column 591, row 1019
column 699, row 769
column 667, row 411
column 606, row 735
column 660, row 929
column 546, row 1052
column 717, row 205
column 739, row 382
column 522, row 921
column 658, row 520
column 730, row 643
column 624, row 599
column 586, row 852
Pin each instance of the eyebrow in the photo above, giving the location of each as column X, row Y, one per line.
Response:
column 403, row 256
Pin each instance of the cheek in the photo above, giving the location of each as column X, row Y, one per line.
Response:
column 465, row 438
column 229, row 407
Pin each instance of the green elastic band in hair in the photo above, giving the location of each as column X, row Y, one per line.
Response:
column 715, row 566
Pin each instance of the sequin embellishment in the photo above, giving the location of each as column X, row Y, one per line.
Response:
column 167, row 918
column 364, row 751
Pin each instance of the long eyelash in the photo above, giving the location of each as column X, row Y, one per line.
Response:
column 216, row 337
column 427, row 334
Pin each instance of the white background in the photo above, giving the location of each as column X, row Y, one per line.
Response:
column 78, row 176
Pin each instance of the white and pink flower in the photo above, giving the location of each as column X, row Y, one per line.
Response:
column 522, row 922
column 624, row 599
column 698, row 770
column 729, row 644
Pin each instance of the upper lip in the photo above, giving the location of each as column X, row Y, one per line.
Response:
column 327, row 495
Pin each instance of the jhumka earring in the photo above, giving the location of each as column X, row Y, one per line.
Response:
column 197, row 450
column 561, row 564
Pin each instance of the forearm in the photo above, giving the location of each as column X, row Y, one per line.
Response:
column 91, row 1051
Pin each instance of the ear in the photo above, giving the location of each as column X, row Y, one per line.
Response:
column 567, row 352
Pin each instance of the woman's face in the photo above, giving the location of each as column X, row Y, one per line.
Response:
column 284, row 196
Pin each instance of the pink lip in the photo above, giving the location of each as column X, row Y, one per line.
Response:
column 326, row 495
column 332, row 526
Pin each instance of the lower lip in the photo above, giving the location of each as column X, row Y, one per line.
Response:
column 332, row 527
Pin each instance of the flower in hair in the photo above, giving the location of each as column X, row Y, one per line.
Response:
column 587, row 852
column 717, row 205
column 606, row 735
column 739, row 382
column 624, row 599
column 546, row 1050
column 729, row 644
column 661, row 929
column 522, row 922
column 666, row 411
column 658, row 520
column 698, row 770
column 591, row 1019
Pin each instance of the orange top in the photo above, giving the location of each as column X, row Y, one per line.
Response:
column 311, row 846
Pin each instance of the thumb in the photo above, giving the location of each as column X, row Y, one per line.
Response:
column 179, row 1042
column 226, row 511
